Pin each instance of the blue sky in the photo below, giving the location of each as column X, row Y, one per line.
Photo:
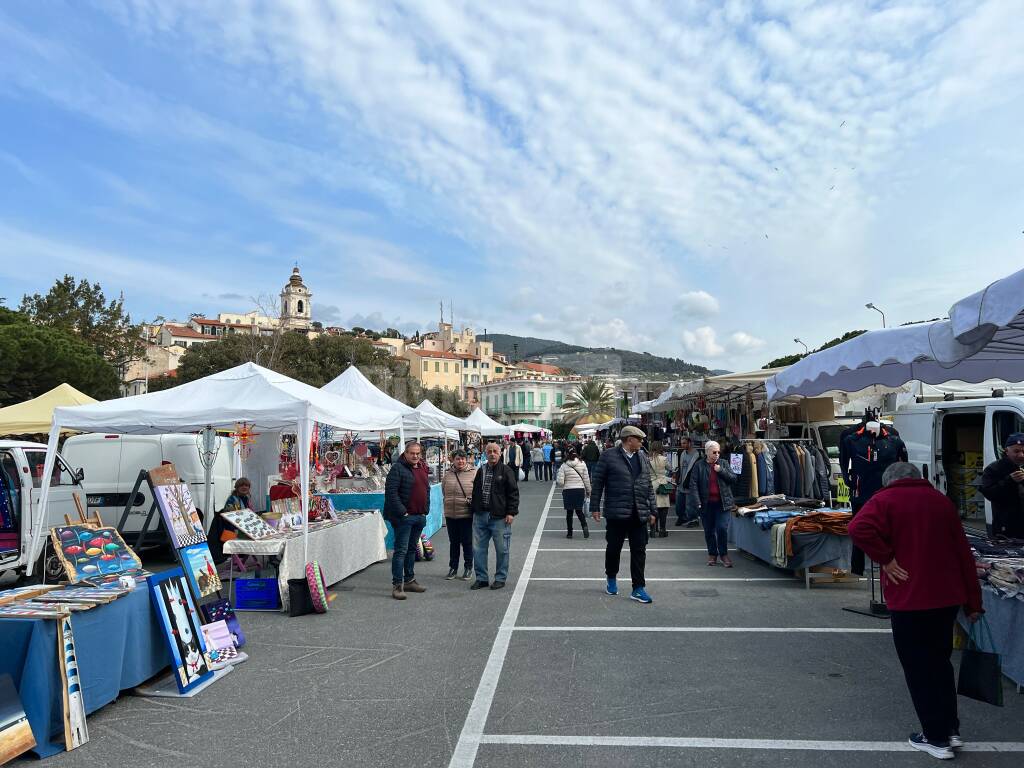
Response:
column 703, row 184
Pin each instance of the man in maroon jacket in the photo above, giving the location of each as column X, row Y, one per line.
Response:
column 928, row 574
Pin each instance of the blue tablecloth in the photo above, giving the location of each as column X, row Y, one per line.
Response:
column 119, row 646
column 809, row 549
column 1006, row 620
column 376, row 501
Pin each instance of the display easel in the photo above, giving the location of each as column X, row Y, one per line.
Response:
column 877, row 609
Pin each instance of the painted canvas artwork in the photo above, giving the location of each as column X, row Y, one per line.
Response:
column 180, row 514
column 87, row 552
column 75, row 731
column 15, row 732
column 221, row 610
column 180, row 621
column 249, row 523
column 219, row 643
column 201, row 572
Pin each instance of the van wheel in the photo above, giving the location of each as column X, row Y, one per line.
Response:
column 48, row 565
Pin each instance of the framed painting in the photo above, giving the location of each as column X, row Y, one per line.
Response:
column 180, row 514
column 249, row 524
column 201, row 572
column 87, row 552
column 221, row 610
column 182, row 629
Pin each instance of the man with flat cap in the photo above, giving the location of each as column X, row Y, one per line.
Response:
column 1002, row 483
column 622, row 478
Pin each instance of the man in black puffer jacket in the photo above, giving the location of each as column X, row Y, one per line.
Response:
column 623, row 478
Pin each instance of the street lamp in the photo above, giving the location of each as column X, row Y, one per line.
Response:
column 806, row 350
column 869, row 305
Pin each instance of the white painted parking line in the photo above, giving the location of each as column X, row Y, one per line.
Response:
column 694, row 578
column 464, row 755
column 762, row 744
column 601, row 549
column 753, row 630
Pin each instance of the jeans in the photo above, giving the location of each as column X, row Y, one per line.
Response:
column 684, row 513
column 407, row 532
column 547, row 470
column 716, row 528
column 460, row 536
column 485, row 530
column 538, row 470
column 924, row 643
column 591, row 466
column 616, row 532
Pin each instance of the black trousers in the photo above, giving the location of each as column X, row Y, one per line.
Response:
column 579, row 514
column 857, row 555
column 924, row 643
column 537, row 467
column 547, row 470
column 662, row 518
column 616, row 532
column 460, row 535
column 526, row 472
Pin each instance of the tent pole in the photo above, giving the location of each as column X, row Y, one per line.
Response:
column 44, row 495
column 305, row 431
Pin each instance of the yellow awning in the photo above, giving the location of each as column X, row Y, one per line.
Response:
column 35, row 416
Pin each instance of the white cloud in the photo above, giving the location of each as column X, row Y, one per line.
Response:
column 701, row 343
column 696, row 304
column 741, row 341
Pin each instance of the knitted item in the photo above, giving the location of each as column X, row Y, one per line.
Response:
column 317, row 593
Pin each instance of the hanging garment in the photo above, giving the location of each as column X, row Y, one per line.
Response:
column 762, row 469
column 754, row 478
column 769, row 461
column 824, row 467
column 796, row 483
column 783, row 470
column 779, row 545
column 811, row 475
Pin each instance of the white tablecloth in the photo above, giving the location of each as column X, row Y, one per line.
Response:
column 341, row 549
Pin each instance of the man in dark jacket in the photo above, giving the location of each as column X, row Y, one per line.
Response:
column 591, row 454
column 1002, row 483
column 928, row 575
column 495, row 505
column 525, row 446
column 406, row 505
column 711, row 484
column 622, row 478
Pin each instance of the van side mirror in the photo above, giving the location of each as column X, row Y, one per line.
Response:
column 80, row 475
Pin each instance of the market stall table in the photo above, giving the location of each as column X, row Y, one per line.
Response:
column 340, row 547
column 119, row 645
column 1006, row 620
column 809, row 549
column 435, row 519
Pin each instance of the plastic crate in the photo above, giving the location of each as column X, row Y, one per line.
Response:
column 257, row 595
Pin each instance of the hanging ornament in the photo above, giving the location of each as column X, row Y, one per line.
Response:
column 245, row 438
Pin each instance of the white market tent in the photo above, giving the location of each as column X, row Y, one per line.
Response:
column 354, row 385
column 265, row 400
column 449, row 421
column 478, row 421
column 982, row 339
column 532, row 429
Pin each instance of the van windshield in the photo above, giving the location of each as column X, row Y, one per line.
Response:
column 830, row 439
column 61, row 474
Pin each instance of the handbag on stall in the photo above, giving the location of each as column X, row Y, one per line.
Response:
column 981, row 673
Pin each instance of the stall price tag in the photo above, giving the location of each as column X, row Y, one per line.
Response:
column 736, row 463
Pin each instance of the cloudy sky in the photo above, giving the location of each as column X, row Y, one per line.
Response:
column 659, row 176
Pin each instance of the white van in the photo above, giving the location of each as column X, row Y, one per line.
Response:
column 112, row 464
column 825, row 435
column 21, row 481
column 953, row 441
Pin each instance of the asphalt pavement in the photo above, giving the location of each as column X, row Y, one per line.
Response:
column 738, row 666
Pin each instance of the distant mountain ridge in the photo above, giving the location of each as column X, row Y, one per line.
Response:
column 525, row 347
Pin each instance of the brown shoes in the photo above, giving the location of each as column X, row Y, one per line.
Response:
column 397, row 593
column 412, row 586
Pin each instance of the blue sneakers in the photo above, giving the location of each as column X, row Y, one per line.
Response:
column 641, row 596
column 612, row 588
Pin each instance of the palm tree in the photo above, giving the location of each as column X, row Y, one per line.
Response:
column 591, row 399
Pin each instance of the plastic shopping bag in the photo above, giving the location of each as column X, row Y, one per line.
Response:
column 981, row 674
column 586, row 506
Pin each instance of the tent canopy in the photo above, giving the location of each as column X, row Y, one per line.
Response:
column 353, row 384
column 449, row 421
column 478, row 421
column 527, row 428
column 982, row 339
column 728, row 386
column 35, row 416
column 247, row 393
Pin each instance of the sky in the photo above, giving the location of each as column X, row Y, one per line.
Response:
column 701, row 180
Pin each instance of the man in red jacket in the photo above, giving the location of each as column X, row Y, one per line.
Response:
column 928, row 574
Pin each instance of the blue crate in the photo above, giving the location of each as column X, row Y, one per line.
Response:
column 257, row 595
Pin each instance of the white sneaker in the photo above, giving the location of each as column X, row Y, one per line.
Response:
column 940, row 751
column 955, row 742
